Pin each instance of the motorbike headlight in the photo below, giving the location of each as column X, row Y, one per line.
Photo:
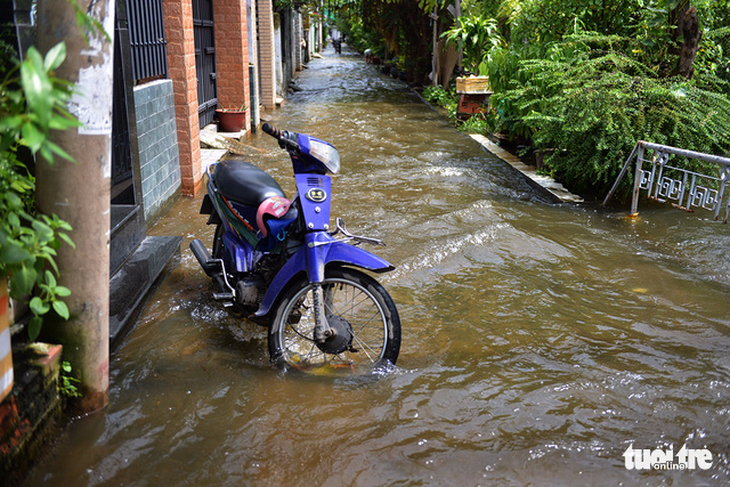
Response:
column 326, row 154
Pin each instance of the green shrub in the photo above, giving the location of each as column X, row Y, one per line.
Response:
column 582, row 81
column 446, row 99
column 475, row 37
column 585, row 111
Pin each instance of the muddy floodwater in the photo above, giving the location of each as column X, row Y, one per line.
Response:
column 540, row 341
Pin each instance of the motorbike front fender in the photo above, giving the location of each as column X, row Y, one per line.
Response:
column 312, row 260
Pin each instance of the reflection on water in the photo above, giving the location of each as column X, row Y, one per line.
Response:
column 539, row 341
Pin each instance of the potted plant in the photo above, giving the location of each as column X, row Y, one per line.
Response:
column 231, row 119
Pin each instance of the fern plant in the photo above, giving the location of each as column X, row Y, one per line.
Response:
column 587, row 106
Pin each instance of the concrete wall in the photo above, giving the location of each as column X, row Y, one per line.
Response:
column 159, row 158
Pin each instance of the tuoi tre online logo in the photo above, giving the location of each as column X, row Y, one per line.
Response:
column 659, row 459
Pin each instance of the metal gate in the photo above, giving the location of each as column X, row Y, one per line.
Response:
column 205, row 60
column 122, row 189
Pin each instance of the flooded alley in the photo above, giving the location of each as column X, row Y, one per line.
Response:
column 539, row 341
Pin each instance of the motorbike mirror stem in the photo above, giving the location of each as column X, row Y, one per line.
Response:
column 289, row 141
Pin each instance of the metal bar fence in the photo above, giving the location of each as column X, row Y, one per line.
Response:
column 683, row 188
column 147, row 39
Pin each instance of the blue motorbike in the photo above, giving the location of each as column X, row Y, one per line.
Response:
column 279, row 263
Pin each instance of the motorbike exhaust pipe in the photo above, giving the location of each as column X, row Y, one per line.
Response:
column 203, row 256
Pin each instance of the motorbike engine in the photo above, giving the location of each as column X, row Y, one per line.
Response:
column 250, row 290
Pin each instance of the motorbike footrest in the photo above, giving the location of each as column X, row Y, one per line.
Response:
column 223, row 296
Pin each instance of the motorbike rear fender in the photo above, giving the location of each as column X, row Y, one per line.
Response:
column 312, row 260
column 208, row 208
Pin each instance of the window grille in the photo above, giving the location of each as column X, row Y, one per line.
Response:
column 147, row 39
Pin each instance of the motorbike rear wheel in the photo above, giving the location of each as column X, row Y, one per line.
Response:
column 356, row 305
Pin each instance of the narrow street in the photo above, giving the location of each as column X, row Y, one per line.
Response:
column 539, row 341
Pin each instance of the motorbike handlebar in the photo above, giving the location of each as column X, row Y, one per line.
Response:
column 272, row 131
column 287, row 140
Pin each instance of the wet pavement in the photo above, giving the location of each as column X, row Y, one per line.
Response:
column 539, row 341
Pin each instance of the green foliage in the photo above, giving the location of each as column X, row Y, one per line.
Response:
column 443, row 98
column 476, row 37
column 68, row 386
column 360, row 37
column 588, row 110
column 32, row 103
column 581, row 81
column 438, row 95
column 484, row 8
column 448, row 99
column 713, row 57
column 427, row 6
column 476, row 124
column 549, row 20
column 391, row 28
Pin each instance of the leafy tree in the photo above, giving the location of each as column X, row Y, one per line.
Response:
column 401, row 27
column 713, row 58
column 483, row 8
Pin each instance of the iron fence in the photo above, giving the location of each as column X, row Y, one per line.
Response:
column 147, row 39
column 683, row 188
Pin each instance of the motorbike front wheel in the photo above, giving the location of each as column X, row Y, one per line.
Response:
column 356, row 306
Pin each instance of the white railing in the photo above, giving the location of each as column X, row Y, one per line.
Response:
column 684, row 189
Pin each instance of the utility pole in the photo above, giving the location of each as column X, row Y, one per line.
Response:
column 80, row 192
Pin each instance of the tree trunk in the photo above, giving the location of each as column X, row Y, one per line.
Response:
column 687, row 35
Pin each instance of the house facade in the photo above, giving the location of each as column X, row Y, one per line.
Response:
column 223, row 54
column 175, row 63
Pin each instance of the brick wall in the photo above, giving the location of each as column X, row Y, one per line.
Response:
column 231, row 55
column 181, row 69
column 31, row 416
column 159, row 158
column 267, row 54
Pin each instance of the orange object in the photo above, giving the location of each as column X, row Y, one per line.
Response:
column 6, row 355
column 471, row 104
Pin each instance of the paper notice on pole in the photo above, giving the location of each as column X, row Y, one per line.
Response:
column 93, row 95
column 91, row 102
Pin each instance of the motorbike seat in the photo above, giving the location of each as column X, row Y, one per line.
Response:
column 245, row 183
